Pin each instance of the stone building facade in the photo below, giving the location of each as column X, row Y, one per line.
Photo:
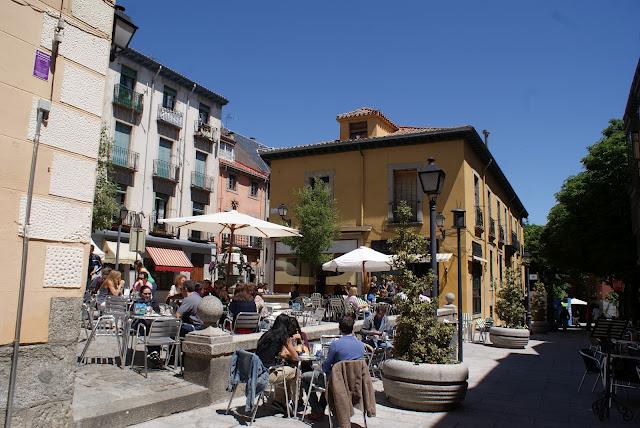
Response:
column 71, row 80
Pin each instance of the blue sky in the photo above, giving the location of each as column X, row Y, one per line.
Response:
column 543, row 76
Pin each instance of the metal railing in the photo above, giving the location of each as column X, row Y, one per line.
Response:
column 492, row 229
column 501, row 234
column 196, row 235
column 201, row 181
column 162, row 229
column 479, row 218
column 124, row 158
column 414, row 211
column 166, row 170
column 204, row 130
column 129, row 98
column 172, row 117
column 515, row 243
column 243, row 241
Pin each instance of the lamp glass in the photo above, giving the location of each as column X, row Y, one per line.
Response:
column 431, row 178
column 123, row 31
column 440, row 220
column 124, row 213
column 282, row 210
column 458, row 218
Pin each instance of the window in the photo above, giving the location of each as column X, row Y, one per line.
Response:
column 254, row 189
column 324, row 178
column 226, row 151
column 500, row 267
column 169, row 98
column 232, row 181
column 476, row 190
column 161, row 204
column 121, row 194
column 198, row 209
column 357, row 130
column 476, row 272
column 120, row 148
column 405, row 188
column 204, row 111
column 490, row 265
column 489, row 210
column 498, row 204
column 128, row 77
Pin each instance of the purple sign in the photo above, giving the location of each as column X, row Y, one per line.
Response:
column 41, row 65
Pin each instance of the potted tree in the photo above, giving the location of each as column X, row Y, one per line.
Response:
column 423, row 375
column 511, row 312
column 539, row 322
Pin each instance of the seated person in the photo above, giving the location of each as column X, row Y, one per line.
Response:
column 358, row 305
column 347, row 348
column 374, row 327
column 177, row 290
column 188, row 310
column 143, row 279
column 221, row 292
column 207, row 288
column 274, row 345
column 340, row 290
column 242, row 302
column 146, row 299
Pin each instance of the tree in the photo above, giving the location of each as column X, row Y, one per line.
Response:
column 317, row 222
column 105, row 207
column 510, row 305
column 534, row 245
column 589, row 227
column 420, row 338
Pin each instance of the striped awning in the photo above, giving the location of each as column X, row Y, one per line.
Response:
column 169, row 260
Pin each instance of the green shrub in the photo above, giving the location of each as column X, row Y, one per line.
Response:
column 539, row 302
column 510, row 305
column 420, row 338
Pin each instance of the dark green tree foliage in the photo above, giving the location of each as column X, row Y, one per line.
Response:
column 510, row 305
column 539, row 301
column 420, row 338
column 534, row 245
column 105, row 207
column 589, row 227
column 317, row 222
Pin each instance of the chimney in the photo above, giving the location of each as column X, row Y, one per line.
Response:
column 486, row 137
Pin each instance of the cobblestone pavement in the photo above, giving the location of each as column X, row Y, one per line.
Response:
column 536, row 386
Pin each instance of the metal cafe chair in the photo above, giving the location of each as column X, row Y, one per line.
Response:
column 162, row 333
column 111, row 323
column 244, row 363
column 244, row 320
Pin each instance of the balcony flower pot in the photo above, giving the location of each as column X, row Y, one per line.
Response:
column 514, row 338
column 424, row 387
column 424, row 374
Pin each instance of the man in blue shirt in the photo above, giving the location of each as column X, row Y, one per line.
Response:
column 347, row 348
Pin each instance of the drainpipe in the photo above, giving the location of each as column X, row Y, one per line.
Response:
column 146, row 147
column 184, row 153
column 486, row 204
column 44, row 107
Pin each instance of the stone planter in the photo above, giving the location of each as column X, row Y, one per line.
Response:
column 424, row 387
column 539, row 327
column 503, row 337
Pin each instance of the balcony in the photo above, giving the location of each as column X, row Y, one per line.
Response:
column 124, row 158
column 243, row 241
column 204, row 131
column 479, row 219
column 514, row 242
column 201, row 181
column 170, row 117
column 128, row 98
column 198, row 236
column 414, row 211
column 166, row 170
column 161, row 229
column 500, row 234
column 492, row 229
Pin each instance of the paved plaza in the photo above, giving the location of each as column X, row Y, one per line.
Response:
column 536, row 386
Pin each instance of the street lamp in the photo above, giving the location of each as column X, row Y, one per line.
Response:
column 459, row 225
column 282, row 212
column 432, row 180
column 122, row 33
column 122, row 216
column 526, row 260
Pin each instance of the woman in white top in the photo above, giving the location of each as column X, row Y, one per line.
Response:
column 177, row 288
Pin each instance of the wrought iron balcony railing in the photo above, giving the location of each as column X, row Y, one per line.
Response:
column 124, row 158
column 162, row 229
column 129, row 98
column 243, row 241
column 492, row 229
column 201, row 181
column 196, row 235
column 500, row 234
column 515, row 243
column 479, row 218
column 205, row 131
column 166, row 170
column 169, row 116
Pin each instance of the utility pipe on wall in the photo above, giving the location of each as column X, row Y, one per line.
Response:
column 146, row 147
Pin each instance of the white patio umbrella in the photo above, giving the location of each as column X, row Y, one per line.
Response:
column 575, row 301
column 234, row 223
column 362, row 259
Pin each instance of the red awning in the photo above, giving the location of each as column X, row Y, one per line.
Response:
column 169, row 260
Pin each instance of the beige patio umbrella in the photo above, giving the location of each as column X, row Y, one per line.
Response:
column 234, row 223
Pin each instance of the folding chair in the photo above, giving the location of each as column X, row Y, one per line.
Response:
column 336, row 308
column 244, row 365
column 163, row 332
column 593, row 364
column 479, row 327
column 112, row 323
column 244, row 320
column 314, row 388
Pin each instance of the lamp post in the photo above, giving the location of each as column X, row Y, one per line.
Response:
column 432, row 180
column 122, row 33
column 526, row 260
column 282, row 212
column 124, row 213
column 459, row 225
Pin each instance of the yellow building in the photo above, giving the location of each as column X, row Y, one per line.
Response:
column 371, row 168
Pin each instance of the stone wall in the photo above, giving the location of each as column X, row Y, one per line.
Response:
column 45, row 371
